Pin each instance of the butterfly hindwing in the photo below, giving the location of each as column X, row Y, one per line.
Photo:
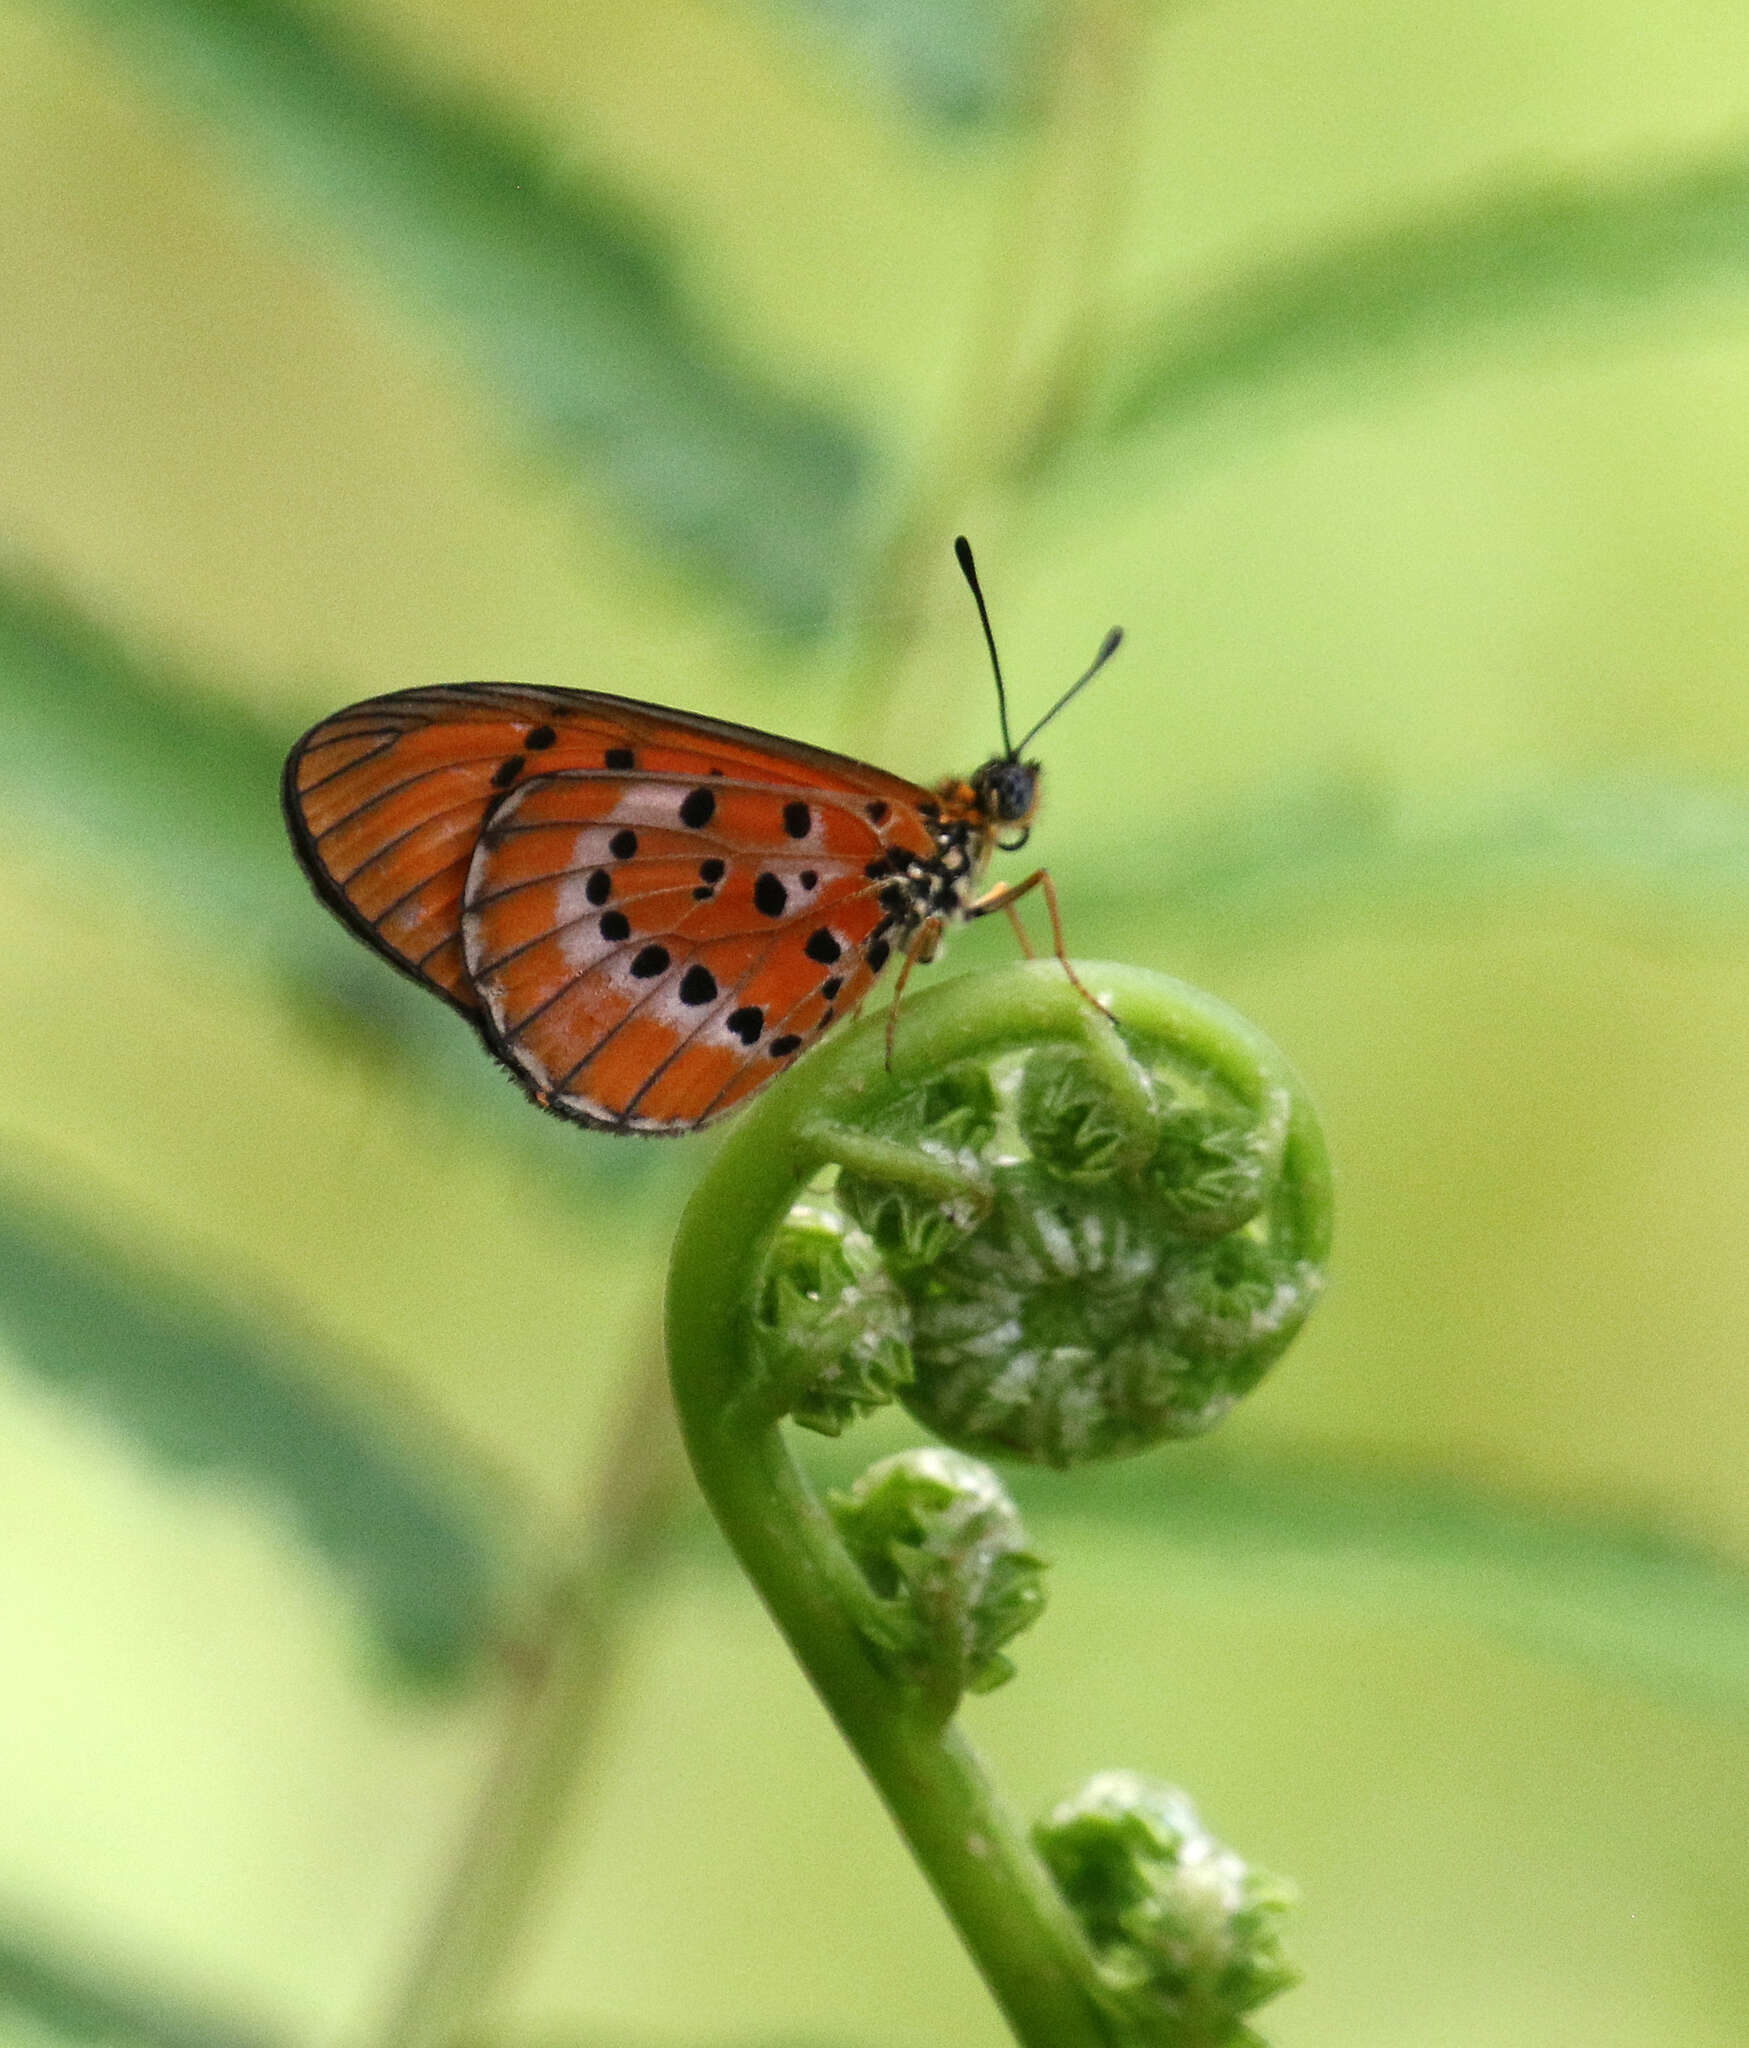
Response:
column 386, row 800
column 649, row 949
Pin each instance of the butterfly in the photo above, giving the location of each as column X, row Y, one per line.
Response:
column 646, row 913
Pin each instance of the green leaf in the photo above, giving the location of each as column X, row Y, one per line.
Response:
column 561, row 298
column 956, row 63
column 623, row 2037
column 139, row 768
column 162, row 789
column 390, row 1506
column 71, row 2001
column 1632, row 1603
column 1307, row 858
column 1502, row 267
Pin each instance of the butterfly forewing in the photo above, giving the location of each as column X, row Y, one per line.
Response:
column 648, row 913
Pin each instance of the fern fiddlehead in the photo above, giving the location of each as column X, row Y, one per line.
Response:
column 1054, row 1237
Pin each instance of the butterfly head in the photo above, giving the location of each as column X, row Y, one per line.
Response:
column 1004, row 795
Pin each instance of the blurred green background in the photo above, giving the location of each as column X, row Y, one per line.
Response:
column 370, row 1675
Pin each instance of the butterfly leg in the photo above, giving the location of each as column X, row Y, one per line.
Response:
column 1004, row 899
column 922, row 950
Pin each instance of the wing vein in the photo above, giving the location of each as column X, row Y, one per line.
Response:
column 382, row 796
column 400, row 839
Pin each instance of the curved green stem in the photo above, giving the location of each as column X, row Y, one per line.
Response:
column 1022, row 1933
column 985, row 1872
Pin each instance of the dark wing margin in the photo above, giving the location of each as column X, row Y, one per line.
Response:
column 307, row 777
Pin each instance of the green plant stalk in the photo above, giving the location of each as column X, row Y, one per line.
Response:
column 562, row 1672
column 1025, row 355
column 978, row 1859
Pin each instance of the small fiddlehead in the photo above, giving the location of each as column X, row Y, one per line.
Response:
column 1052, row 1236
column 941, row 1543
column 1188, row 1936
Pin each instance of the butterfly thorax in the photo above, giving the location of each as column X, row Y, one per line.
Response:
column 966, row 821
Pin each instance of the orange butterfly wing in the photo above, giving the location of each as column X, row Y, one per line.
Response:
column 647, row 913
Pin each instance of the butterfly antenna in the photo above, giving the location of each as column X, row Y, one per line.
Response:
column 962, row 553
column 1107, row 648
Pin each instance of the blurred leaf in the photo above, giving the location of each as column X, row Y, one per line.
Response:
column 163, row 790
column 1632, row 1604
column 1305, row 859
column 563, row 299
column 70, row 2002
column 389, row 1505
column 1537, row 264
column 622, row 2037
column 961, row 63
column 142, row 770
